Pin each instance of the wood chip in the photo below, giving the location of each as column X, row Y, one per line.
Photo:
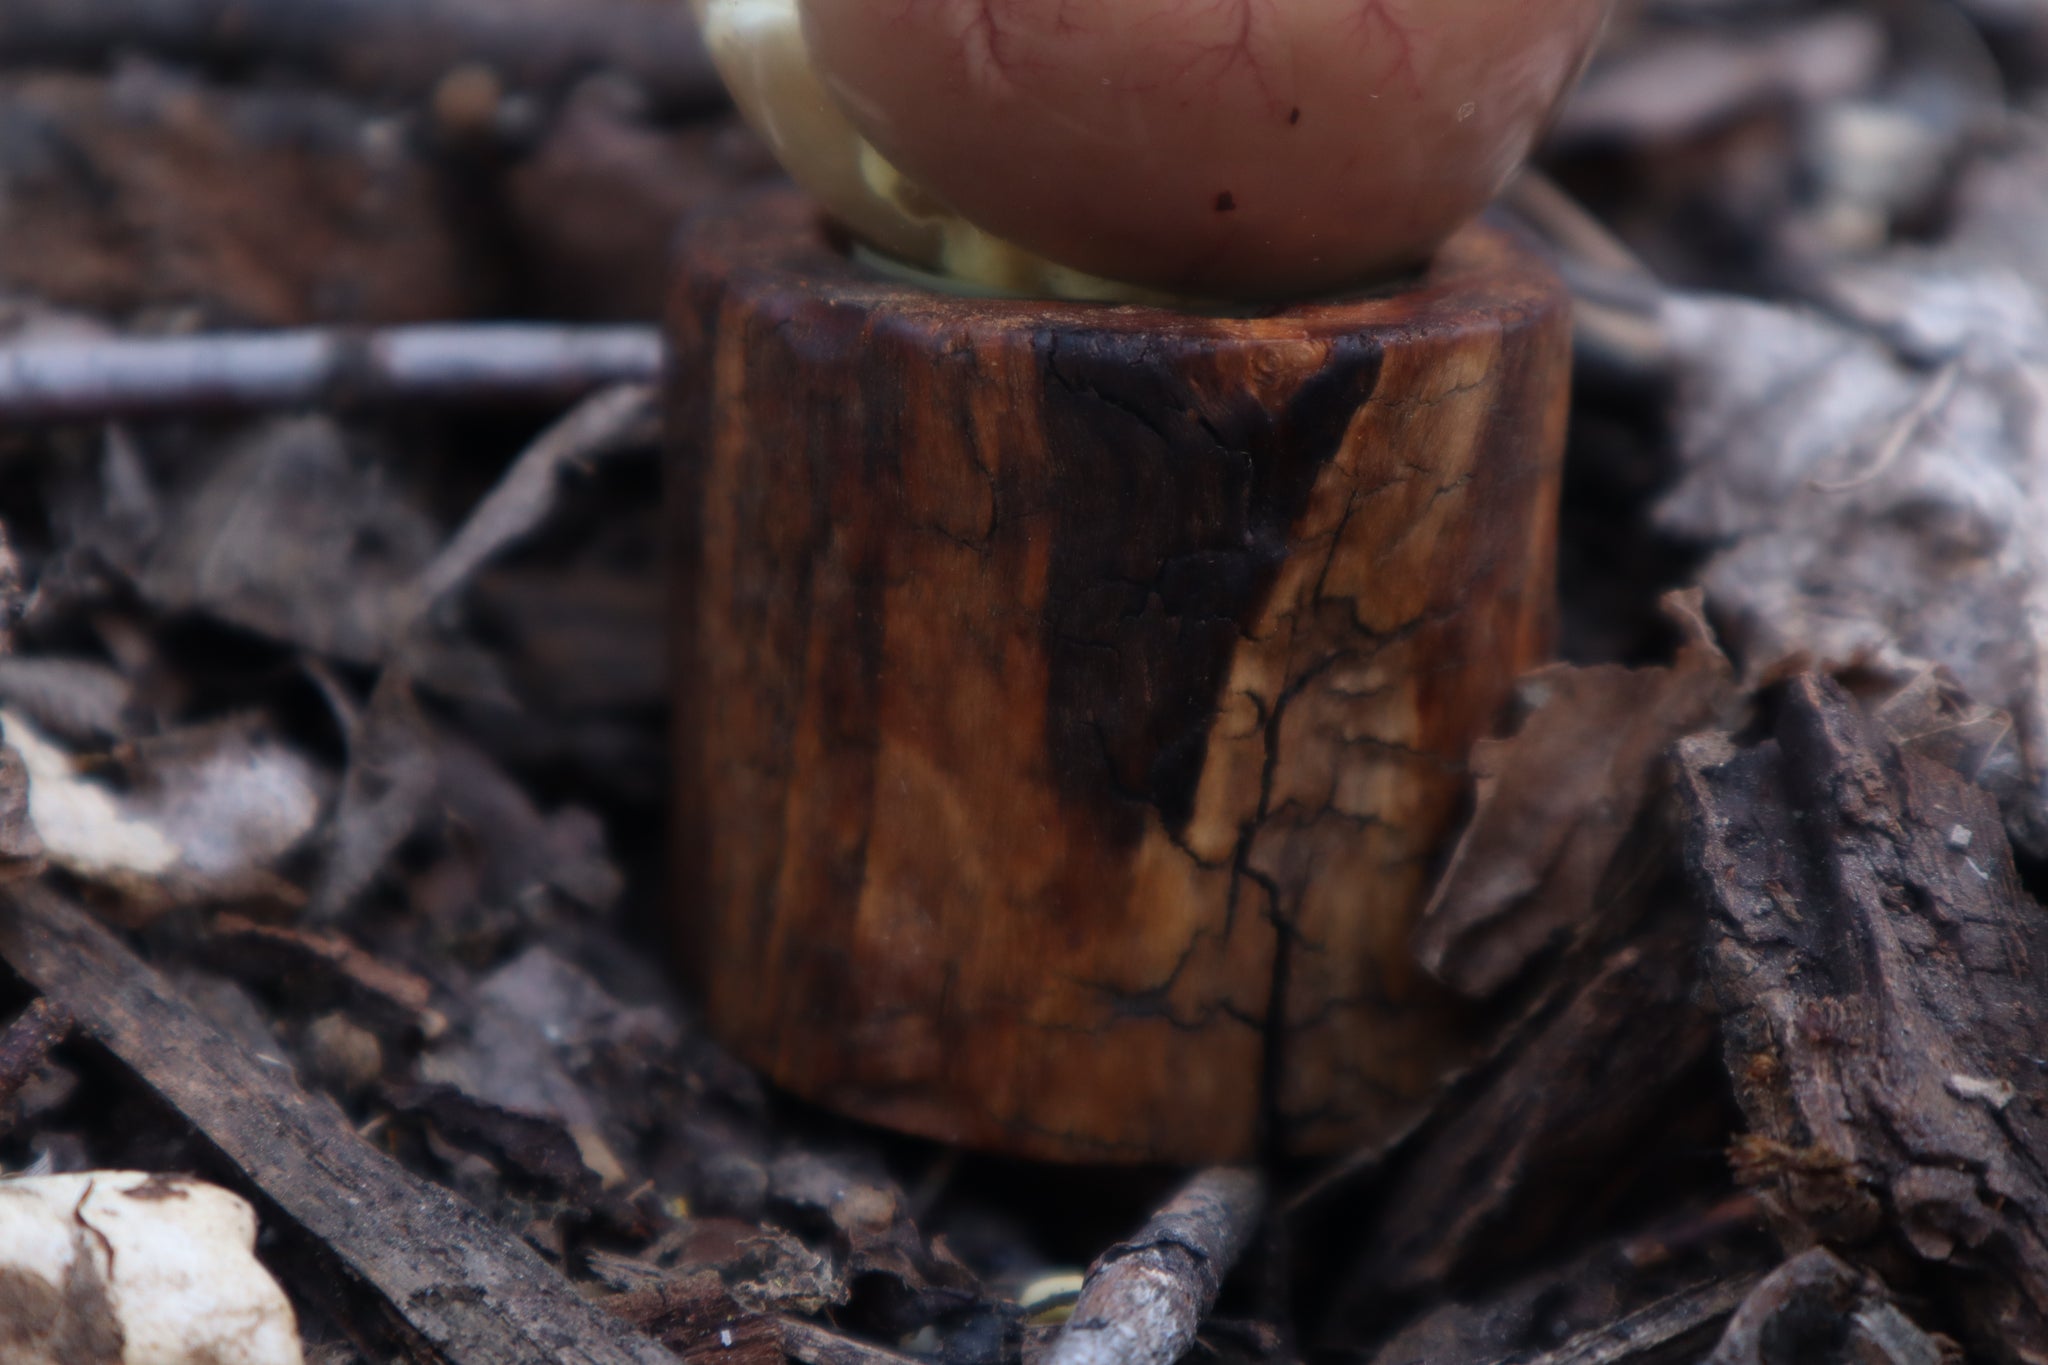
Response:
column 1863, row 964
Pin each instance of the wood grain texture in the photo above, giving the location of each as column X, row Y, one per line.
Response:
column 1880, row 967
column 1073, row 699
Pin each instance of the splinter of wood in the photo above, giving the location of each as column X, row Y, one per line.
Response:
column 1144, row 1299
column 1072, row 700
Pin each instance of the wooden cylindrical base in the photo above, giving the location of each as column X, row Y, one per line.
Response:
column 1072, row 700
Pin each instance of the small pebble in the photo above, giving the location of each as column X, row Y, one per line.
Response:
column 341, row 1056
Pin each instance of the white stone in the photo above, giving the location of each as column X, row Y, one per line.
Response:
column 169, row 1260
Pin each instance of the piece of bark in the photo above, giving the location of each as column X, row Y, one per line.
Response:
column 313, row 972
column 1556, row 1126
column 811, row 1344
column 524, row 1147
column 386, row 46
column 1145, row 1299
column 447, row 1284
column 695, row 1317
column 1072, row 700
column 1555, row 801
column 1656, row 1295
column 872, row 1228
column 1816, row 1310
column 1669, row 1330
column 1880, row 973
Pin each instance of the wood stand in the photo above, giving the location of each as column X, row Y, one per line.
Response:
column 1073, row 700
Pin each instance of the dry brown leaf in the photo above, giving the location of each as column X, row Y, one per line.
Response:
column 1556, row 800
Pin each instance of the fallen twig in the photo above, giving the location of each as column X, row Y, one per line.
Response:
column 602, row 423
column 452, row 1286
column 1145, row 1298
column 44, row 381
column 389, row 46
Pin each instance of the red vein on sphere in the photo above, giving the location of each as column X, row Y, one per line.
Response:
column 1215, row 60
column 1384, row 21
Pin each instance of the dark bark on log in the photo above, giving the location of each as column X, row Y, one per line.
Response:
column 1881, row 975
column 387, row 46
column 449, row 1285
column 1072, row 700
column 1145, row 1299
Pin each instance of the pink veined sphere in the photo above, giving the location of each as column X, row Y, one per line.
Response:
column 1229, row 148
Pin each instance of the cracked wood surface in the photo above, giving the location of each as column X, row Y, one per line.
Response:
column 1074, row 698
column 1881, row 972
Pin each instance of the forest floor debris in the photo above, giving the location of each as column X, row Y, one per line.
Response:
column 331, row 825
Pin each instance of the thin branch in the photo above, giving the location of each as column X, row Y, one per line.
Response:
column 70, row 380
column 1145, row 1298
